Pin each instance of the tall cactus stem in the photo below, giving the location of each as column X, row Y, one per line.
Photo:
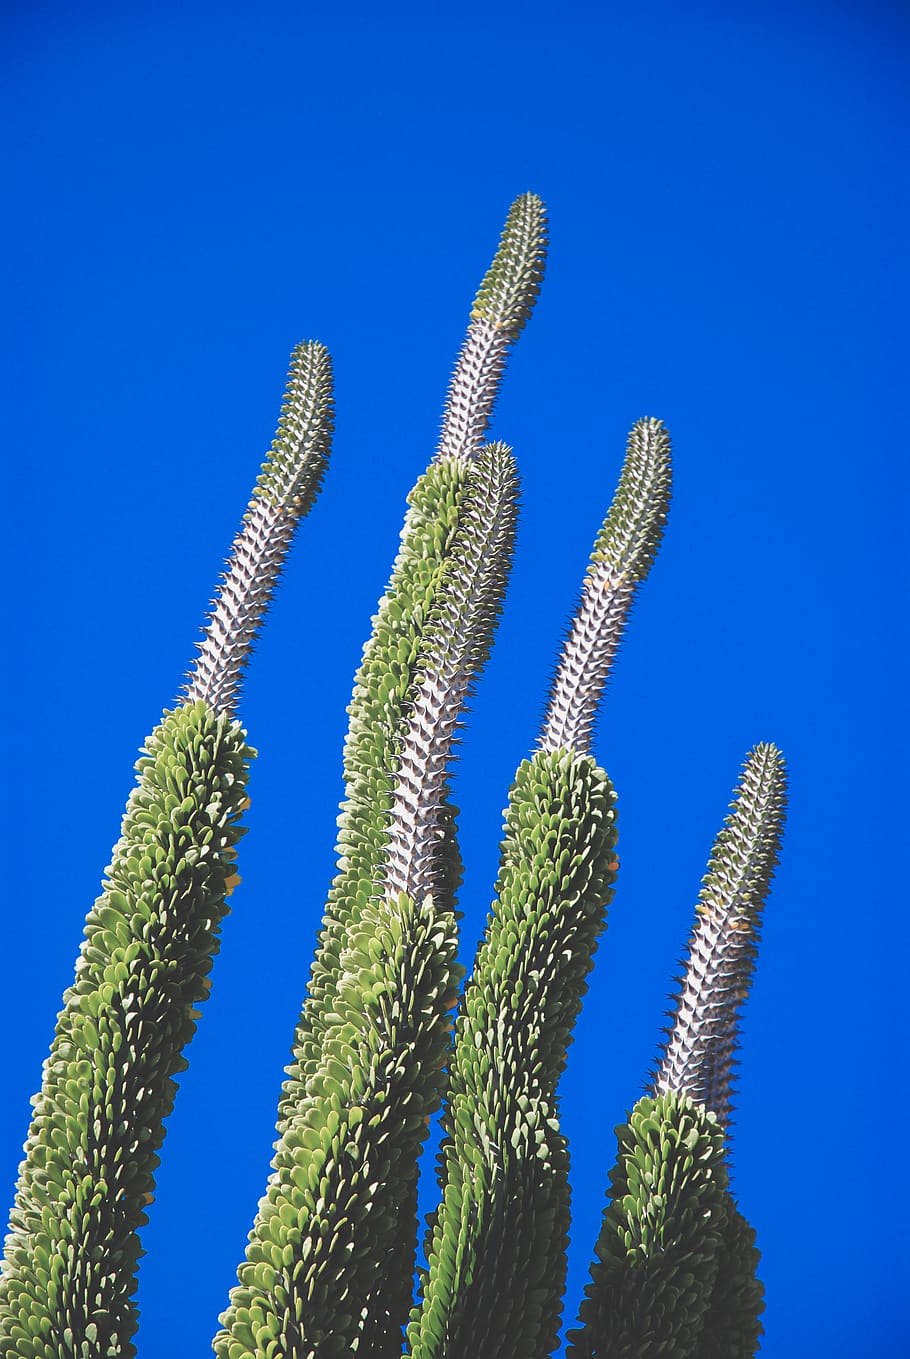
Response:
column 496, row 1244
column 68, row 1275
column 393, row 656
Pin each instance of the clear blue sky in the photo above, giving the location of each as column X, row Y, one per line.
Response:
column 192, row 189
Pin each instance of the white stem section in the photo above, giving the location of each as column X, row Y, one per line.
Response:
column 700, row 1054
column 245, row 593
column 586, row 661
column 473, row 390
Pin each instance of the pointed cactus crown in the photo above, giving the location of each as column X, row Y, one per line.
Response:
column 501, row 308
column 297, row 460
column 627, row 543
column 511, row 285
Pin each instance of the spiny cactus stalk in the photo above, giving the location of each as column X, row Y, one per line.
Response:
column 284, row 492
column 88, row 1174
column 330, row 1265
column 701, row 1044
column 622, row 557
column 665, row 1282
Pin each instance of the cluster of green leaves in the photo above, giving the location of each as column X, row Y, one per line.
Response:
column 312, row 1279
column 674, row 1273
column 92, row 1147
column 657, row 1255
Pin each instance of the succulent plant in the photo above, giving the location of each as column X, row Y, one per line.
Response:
column 387, row 1034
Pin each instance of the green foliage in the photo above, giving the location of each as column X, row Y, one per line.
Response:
column 342, row 1165
column 330, row 1263
column 657, row 1254
column 149, row 941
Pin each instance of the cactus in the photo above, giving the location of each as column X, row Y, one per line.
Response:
column 675, row 1267
column 386, row 1035
column 71, row 1253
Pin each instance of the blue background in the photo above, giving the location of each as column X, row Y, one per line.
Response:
column 193, row 190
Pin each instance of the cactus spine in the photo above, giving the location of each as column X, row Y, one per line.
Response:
column 330, row 1261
